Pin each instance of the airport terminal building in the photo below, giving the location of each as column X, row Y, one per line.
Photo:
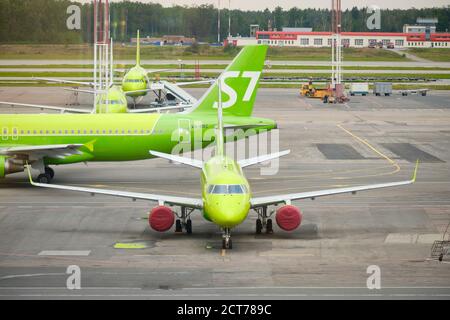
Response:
column 349, row 39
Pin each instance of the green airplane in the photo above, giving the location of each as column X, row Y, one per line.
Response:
column 45, row 140
column 135, row 84
column 226, row 195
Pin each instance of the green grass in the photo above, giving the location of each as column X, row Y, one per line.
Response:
column 49, row 74
column 85, row 52
column 263, row 85
column 433, row 54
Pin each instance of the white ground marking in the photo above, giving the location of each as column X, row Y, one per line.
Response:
column 412, row 238
column 64, row 253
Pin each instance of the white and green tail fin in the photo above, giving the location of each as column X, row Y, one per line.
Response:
column 240, row 82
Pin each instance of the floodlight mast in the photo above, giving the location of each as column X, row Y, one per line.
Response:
column 336, row 42
column 218, row 22
column 103, row 51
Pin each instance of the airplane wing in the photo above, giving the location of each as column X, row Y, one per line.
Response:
column 81, row 83
column 161, row 199
column 42, row 107
column 37, row 152
column 187, row 161
column 158, row 71
column 156, row 109
column 80, row 90
column 287, row 198
column 181, row 84
column 249, row 162
column 243, row 126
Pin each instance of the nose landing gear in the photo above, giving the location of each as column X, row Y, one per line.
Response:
column 227, row 244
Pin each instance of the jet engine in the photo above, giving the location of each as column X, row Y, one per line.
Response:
column 288, row 218
column 8, row 166
column 161, row 218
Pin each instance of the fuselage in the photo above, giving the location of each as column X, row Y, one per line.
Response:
column 225, row 191
column 135, row 80
column 113, row 101
column 116, row 137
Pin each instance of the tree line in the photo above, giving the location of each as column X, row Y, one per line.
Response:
column 44, row 21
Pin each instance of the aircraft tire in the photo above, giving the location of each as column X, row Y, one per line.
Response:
column 227, row 245
column 50, row 172
column 44, row 178
column 189, row 226
column 178, row 228
column 258, row 226
column 269, row 228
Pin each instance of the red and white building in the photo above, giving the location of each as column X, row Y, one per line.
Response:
column 349, row 39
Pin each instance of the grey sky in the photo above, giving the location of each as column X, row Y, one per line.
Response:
column 262, row 4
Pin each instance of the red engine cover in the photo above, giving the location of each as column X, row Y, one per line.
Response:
column 161, row 218
column 288, row 218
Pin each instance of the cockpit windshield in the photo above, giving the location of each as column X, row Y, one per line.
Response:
column 134, row 80
column 111, row 102
column 226, row 189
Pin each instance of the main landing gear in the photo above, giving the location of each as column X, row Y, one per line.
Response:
column 184, row 221
column 47, row 176
column 226, row 239
column 263, row 221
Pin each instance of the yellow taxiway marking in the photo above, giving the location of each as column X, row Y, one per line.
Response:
column 134, row 245
column 366, row 143
column 396, row 166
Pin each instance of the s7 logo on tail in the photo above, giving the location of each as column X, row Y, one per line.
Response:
column 231, row 92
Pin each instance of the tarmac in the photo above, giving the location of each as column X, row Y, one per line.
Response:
column 367, row 140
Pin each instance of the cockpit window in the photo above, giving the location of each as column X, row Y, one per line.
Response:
column 112, row 102
column 235, row 189
column 226, row 189
column 220, row 189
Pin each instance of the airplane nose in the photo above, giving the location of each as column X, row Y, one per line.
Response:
column 230, row 213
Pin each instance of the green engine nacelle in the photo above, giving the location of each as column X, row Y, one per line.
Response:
column 8, row 166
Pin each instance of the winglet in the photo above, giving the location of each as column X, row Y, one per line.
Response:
column 415, row 171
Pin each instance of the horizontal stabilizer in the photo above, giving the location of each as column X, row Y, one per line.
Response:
column 81, row 83
column 80, row 90
column 187, row 161
column 260, row 159
column 159, row 109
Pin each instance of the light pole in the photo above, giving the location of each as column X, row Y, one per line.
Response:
column 218, row 23
column 229, row 18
